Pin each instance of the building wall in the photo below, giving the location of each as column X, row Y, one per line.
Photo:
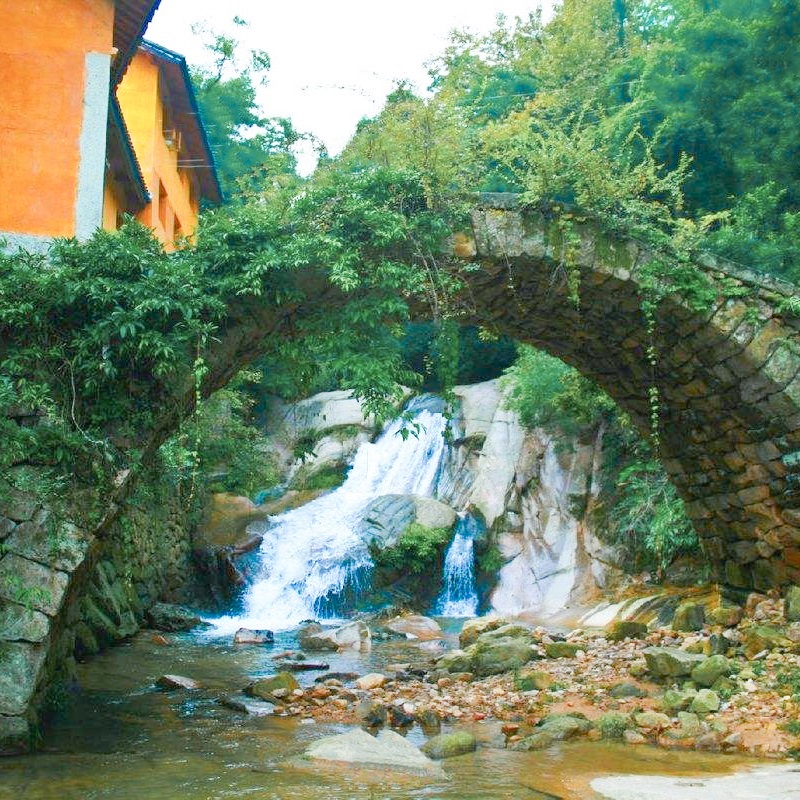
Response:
column 55, row 81
column 173, row 211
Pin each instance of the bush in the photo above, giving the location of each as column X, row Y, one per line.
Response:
column 417, row 550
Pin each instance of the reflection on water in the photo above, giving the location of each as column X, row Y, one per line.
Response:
column 122, row 738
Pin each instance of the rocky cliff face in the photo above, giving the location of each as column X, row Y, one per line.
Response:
column 535, row 491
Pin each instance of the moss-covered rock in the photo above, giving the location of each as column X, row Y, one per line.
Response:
column 689, row 616
column 561, row 649
column 706, row 702
column 626, row 629
column 707, row 672
column 447, row 745
column 265, row 689
column 670, row 662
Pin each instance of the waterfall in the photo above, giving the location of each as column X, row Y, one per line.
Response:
column 313, row 563
column 458, row 597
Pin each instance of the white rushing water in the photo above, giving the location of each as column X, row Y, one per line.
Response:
column 312, row 558
column 459, row 597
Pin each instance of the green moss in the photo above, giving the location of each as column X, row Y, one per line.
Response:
column 330, row 476
column 417, row 549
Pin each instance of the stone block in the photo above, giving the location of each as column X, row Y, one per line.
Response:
column 20, row 668
column 63, row 549
column 30, row 583
column 20, row 623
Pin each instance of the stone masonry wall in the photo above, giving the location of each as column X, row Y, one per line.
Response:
column 64, row 594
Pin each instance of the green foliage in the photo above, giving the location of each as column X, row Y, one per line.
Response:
column 792, row 727
column 417, row 549
column 221, row 445
column 489, row 561
column 648, row 513
column 480, row 357
column 330, row 476
column 641, row 507
column 102, row 338
column 251, row 151
column 546, row 393
column 787, row 681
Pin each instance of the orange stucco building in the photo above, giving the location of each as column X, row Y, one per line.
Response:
column 170, row 144
column 68, row 163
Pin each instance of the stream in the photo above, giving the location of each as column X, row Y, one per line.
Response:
column 121, row 737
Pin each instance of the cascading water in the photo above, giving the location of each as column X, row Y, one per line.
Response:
column 313, row 560
column 459, row 597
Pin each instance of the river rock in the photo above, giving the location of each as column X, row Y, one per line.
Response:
column 623, row 690
column 512, row 630
column 708, row 671
column 626, row 629
column 561, row 649
column 670, row 662
column 764, row 637
column 415, row 626
column 493, row 657
column 371, row 713
column 530, row 679
column 353, row 635
column 266, row 687
column 389, row 515
column 447, row 745
column 387, row 751
column 246, row 705
column 728, row 616
column 473, row 628
column 678, row 700
column 705, row 702
column 651, row 721
column 777, row 782
column 177, row 682
column 249, row 636
column 371, row 681
column 455, row 661
column 689, row 616
column 554, row 728
column 170, row 617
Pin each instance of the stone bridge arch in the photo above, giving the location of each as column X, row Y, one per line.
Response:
column 728, row 374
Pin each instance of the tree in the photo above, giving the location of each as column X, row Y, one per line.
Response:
column 251, row 150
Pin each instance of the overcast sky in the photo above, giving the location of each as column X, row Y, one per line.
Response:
column 333, row 61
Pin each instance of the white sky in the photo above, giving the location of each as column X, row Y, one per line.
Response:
column 333, row 61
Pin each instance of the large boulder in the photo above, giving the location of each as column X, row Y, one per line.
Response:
column 689, row 616
column 473, row 628
column 495, row 656
column 555, row 728
column 387, row 516
column 283, row 683
column 415, row 626
column 170, row 617
column 670, row 662
column 386, row 751
column 447, row 745
column 707, row 672
column 353, row 635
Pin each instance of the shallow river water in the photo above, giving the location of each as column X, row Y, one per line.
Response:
column 121, row 737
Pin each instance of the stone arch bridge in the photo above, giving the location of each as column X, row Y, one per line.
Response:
column 727, row 370
column 727, row 373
